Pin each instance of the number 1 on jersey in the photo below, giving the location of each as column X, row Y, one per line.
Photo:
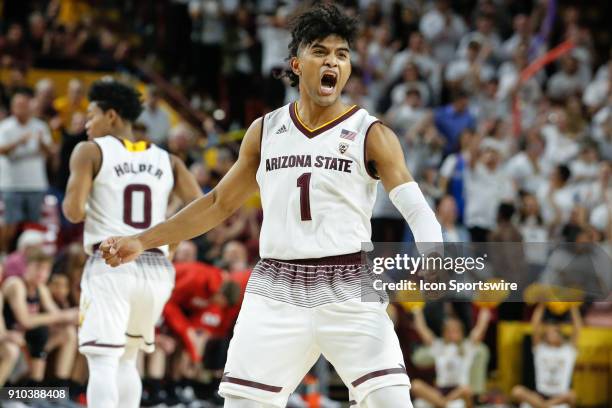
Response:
column 303, row 182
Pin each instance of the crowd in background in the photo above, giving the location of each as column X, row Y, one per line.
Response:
column 499, row 158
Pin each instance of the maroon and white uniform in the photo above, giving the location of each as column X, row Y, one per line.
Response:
column 129, row 194
column 304, row 298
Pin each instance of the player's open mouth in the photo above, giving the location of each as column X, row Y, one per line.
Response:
column 328, row 83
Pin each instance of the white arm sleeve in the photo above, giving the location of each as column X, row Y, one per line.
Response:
column 411, row 203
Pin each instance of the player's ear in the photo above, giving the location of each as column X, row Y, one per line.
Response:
column 295, row 65
column 112, row 116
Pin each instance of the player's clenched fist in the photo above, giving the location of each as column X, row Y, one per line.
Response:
column 120, row 250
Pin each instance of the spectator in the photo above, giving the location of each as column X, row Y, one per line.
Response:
column 527, row 168
column 557, row 197
column 155, row 118
column 418, row 54
column 550, row 349
column 31, row 310
column 407, row 112
column 453, row 355
column 74, row 101
column 486, row 187
column 42, row 103
column 411, row 80
column 443, row 29
column 14, row 50
column 486, row 36
column 522, row 34
column 568, row 81
column 470, row 71
column 10, row 343
column 181, row 142
column 447, row 216
column 72, row 135
column 274, row 37
column 452, row 119
column 25, row 142
column 534, row 234
column 454, row 169
column 15, row 263
column 202, row 176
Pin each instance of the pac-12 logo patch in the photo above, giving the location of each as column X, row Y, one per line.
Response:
column 343, row 147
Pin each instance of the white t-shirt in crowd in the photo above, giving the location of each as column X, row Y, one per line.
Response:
column 485, row 190
column 24, row 168
column 565, row 198
column 559, row 149
column 443, row 35
column 453, row 362
column 553, row 368
column 525, row 174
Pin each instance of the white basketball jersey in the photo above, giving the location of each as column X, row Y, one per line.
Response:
column 316, row 192
column 130, row 192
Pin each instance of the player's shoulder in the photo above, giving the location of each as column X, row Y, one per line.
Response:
column 281, row 113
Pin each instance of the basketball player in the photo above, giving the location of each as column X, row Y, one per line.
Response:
column 119, row 186
column 317, row 163
column 554, row 359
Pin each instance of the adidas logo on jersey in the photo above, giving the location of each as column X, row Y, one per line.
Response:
column 282, row 129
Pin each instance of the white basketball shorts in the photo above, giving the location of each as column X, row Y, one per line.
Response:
column 121, row 305
column 295, row 311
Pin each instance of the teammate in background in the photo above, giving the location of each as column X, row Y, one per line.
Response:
column 120, row 186
column 317, row 162
column 29, row 308
column 453, row 355
column 554, row 359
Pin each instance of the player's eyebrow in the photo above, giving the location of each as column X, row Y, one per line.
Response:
column 322, row 47
column 318, row 45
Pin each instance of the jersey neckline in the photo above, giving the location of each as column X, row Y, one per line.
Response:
column 310, row 133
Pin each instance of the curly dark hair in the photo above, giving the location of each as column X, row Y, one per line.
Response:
column 318, row 22
column 122, row 98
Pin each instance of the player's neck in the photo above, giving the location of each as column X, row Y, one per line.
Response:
column 124, row 133
column 314, row 115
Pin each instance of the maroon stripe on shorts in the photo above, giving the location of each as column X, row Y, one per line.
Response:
column 94, row 343
column 138, row 336
column 379, row 373
column 356, row 258
column 252, row 384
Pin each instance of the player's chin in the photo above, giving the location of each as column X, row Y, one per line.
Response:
column 327, row 100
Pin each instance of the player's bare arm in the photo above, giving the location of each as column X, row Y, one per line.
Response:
column 85, row 162
column 201, row 215
column 384, row 154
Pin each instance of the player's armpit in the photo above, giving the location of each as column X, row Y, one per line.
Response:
column 209, row 211
column 384, row 153
column 84, row 163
